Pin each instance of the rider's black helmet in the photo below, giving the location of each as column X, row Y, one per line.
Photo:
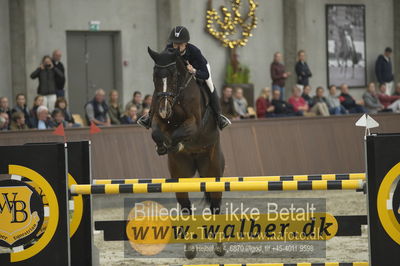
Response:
column 179, row 34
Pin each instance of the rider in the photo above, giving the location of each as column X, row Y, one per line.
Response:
column 196, row 65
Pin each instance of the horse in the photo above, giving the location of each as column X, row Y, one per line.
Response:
column 184, row 129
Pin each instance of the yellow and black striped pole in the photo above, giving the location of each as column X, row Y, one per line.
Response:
column 218, row 186
column 351, row 176
column 288, row 264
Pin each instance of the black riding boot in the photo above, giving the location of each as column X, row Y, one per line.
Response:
column 222, row 120
column 145, row 121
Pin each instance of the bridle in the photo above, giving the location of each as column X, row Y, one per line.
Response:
column 164, row 95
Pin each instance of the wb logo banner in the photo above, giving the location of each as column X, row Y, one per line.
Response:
column 21, row 213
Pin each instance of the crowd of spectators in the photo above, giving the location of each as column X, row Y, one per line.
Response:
column 50, row 107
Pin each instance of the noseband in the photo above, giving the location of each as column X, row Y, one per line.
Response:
column 170, row 94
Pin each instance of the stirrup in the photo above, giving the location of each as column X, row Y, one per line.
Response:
column 144, row 121
column 223, row 121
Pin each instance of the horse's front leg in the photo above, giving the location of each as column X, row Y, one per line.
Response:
column 182, row 133
column 159, row 138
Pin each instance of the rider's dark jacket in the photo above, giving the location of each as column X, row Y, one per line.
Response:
column 193, row 55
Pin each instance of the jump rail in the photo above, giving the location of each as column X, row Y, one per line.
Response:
column 288, row 264
column 218, row 186
column 351, row 176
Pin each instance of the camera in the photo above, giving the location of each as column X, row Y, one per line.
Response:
column 48, row 65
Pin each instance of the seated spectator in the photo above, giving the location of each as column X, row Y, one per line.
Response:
column 348, row 101
column 397, row 90
column 58, row 118
column 115, row 109
column 4, row 121
column 335, row 108
column 22, row 107
column 299, row 103
column 97, row 110
column 18, row 121
column 136, row 101
column 282, row 108
column 62, row 105
column 371, row 100
column 38, row 101
column 240, row 104
column 263, row 104
column 146, row 111
column 147, row 101
column 385, row 99
column 227, row 106
column 130, row 116
column 306, row 95
column 43, row 120
column 4, row 106
column 320, row 105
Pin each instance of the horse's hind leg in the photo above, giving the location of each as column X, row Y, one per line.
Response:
column 212, row 164
column 181, row 166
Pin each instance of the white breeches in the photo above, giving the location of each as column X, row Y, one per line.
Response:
column 209, row 81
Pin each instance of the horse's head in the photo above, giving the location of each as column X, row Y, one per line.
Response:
column 168, row 68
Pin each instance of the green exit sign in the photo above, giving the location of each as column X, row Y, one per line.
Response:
column 94, row 25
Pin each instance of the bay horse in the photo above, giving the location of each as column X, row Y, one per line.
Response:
column 183, row 127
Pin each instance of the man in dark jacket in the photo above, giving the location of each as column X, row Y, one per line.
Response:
column 278, row 74
column 47, row 73
column 303, row 72
column 60, row 81
column 281, row 107
column 348, row 102
column 23, row 108
column 383, row 70
column 97, row 110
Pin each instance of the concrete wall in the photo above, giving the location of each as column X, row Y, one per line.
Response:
column 257, row 55
column 312, row 34
column 5, row 59
column 135, row 19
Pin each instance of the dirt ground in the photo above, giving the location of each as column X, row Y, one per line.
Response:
column 339, row 249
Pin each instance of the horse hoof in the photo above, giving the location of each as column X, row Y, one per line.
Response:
column 219, row 249
column 176, row 148
column 161, row 150
column 190, row 251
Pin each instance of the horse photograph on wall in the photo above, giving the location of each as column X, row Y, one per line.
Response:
column 345, row 42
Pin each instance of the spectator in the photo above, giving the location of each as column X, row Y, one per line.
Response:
column 298, row 102
column 278, row 74
column 306, row 95
column 240, row 104
column 38, row 101
column 227, row 106
column 282, row 108
column 4, row 121
column 335, row 108
column 47, row 73
column 147, row 101
column 60, row 81
column 22, row 107
column 385, row 99
column 58, row 118
column 43, row 120
column 130, row 116
column 303, row 72
column 137, row 101
column 97, row 110
column 397, row 90
column 145, row 111
column 115, row 110
column 383, row 70
column 263, row 104
column 4, row 106
column 320, row 105
column 371, row 99
column 62, row 105
column 348, row 101
column 18, row 121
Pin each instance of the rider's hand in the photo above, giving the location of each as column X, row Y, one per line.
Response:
column 191, row 69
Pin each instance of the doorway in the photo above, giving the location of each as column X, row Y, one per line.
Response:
column 92, row 64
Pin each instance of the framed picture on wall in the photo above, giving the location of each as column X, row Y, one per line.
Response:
column 345, row 45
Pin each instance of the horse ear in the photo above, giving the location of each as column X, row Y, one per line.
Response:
column 153, row 54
